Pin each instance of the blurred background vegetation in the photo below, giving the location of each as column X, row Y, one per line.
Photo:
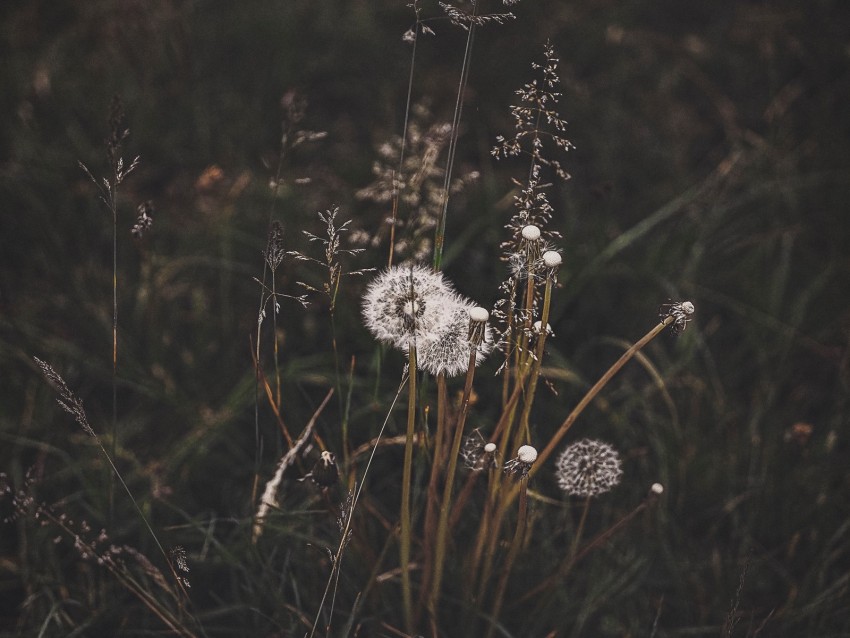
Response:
column 712, row 163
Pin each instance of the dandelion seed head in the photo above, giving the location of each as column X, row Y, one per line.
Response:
column 406, row 304
column 588, row 468
column 449, row 351
column 477, row 454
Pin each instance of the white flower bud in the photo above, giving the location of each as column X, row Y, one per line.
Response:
column 551, row 259
column 531, row 233
column 526, row 454
column 657, row 488
column 478, row 314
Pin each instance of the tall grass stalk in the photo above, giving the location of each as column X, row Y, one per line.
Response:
column 108, row 188
column 69, row 402
column 440, row 233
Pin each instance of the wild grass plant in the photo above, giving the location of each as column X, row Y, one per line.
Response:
column 448, row 404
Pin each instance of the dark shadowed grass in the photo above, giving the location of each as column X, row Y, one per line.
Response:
column 710, row 164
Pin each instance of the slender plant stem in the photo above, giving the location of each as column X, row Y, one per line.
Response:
column 440, row 235
column 580, row 529
column 114, row 443
column 337, row 562
column 446, row 502
column 407, row 472
column 432, row 501
column 513, row 552
column 597, row 387
column 535, row 367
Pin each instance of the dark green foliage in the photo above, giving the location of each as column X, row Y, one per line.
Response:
column 711, row 163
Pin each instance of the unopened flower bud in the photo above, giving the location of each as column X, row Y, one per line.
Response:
column 531, row 233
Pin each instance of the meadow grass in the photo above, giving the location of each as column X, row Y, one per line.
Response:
column 355, row 377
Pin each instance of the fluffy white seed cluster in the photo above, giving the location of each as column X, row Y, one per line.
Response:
column 412, row 305
column 588, row 468
column 450, row 350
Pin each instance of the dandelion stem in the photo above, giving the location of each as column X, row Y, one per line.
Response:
column 523, row 431
column 407, row 471
column 445, row 504
column 513, row 552
column 597, row 387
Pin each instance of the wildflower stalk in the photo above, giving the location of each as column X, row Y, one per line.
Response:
column 513, row 552
column 432, row 502
column 508, row 496
column 523, row 431
column 597, row 387
column 407, row 471
column 445, row 503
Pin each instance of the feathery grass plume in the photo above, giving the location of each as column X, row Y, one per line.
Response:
column 448, row 353
column 67, row 400
column 407, row 304
column 274, row 251
column 74, row 406
column 97, row 548
column 466, row 19
column 108, row 187
column 408, row 172
column 588, row 468
column 333, row 249
column 536, row 118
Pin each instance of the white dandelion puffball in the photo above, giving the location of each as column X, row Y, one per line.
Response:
column 404, row 304
column 551, row 259
column 531, row 233
column 448, row 352
column 526, row 454
column 588, row 468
